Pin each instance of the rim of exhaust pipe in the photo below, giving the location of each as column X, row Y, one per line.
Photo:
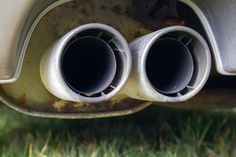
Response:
column 96, row 74
column 193, row 65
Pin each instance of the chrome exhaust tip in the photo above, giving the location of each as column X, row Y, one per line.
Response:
column 170, row 65
column 89, row 64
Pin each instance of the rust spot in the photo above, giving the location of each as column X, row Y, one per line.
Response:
column 103, row 7
column 117, row 10
column 174, row 21
column 22, row 100
column 137, row 34
column 128, row 12
column 84, row 11
column 75, row 4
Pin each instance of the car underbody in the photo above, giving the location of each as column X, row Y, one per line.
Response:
column 35, row 37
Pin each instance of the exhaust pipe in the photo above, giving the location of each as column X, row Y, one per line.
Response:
column 170, row 65
column 89, row 64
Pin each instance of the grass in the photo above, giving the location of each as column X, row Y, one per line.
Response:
column 155, row 132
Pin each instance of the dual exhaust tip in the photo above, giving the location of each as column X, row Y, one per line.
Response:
column 89, row 64
column 93, row 63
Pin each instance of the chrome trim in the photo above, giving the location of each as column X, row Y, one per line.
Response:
column 139, row 85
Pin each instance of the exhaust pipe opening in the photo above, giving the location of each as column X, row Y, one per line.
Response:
column 169, row 66
column 178, row 63
column 89, row 64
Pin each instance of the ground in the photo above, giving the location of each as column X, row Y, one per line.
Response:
column 155, row 132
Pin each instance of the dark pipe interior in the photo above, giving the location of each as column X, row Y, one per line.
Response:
column 88, row 65
column 169, row 66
